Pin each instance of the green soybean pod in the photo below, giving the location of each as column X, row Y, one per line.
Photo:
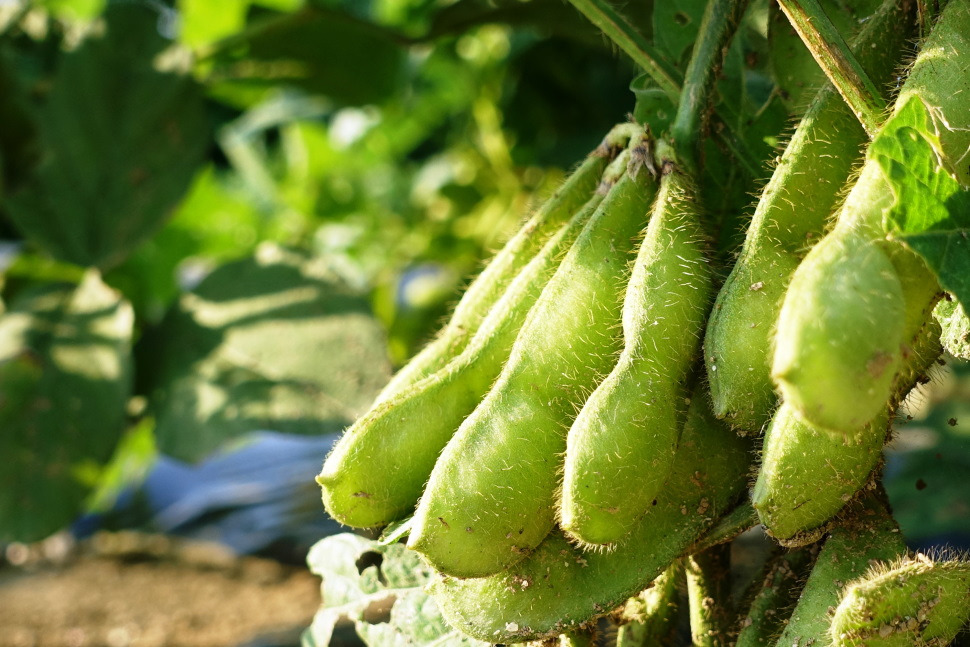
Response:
column 790, row 216
column 377, row 470
column 770, row 604
column 488, row 287
column 845, row 288
column 869, row 535
column 559, row 586
column 619, row 450
column 808, row 473
column 940, row 78
column 650, row 617
column 490, row 498
column 913, row 601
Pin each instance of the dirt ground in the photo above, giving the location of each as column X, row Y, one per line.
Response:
column 131, row 590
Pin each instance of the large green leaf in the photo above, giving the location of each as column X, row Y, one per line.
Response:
column 380, row 589
column 931, row 213
column 324, row 52
column 65, row 378
column 120, row 143
column 675, row 26
column 269, row 342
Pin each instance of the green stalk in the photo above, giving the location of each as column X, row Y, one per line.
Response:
column 618, row 29
column 732, row 524
column 709, row 594
column 837, row 61
column 634, row 45
column 721, row 18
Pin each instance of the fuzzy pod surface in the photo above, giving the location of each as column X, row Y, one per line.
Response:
column 915, row 601
column 837, row 346
column 790, row 217
column 620, row 448
column 870, row 535
column 768, row 606
column 377, row 470
column 491, row 496
column 940, row 78
column 808, row 473
column 559, row 585
column 488, row 287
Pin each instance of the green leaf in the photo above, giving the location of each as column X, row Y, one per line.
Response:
column 380, row 589
column 952, row 317
column 931, row 213
column 204, row 21
column 323, row 52
column 65, row 379
column 120, row 143
column 675, row 25
column 268, row 342
column 653, row 106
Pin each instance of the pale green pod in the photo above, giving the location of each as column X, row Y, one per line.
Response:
column 940, row 77
column 485, row 291
column 839, row 333
column 559, row 586
column 490, row 498
column 377, row 470
column 915, row 601
column 869, row 535
column 619, row 450
column 808, row 473
column 790, row 217
column 650, row 617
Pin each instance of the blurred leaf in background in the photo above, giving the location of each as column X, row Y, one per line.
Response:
column 269, row 342
column 65, row 380
column 120, row 141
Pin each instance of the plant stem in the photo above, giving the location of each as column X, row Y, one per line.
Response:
column 837, row 61
column 667, row 78
column 728, row 527
column 628, row 39
column 709, row 594
column 721, row 18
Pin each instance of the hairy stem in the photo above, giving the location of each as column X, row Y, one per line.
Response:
column 721, row 18
column 837, row 61
column 633, row 44
column 709, row 593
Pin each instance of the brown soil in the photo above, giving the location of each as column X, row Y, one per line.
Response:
column 142, row 591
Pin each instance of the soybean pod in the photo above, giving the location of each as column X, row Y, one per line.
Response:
column 559, row 585
column 770, row 604
column 807, row 473
column 620, row 448
column 490, row 498
column 870, row 534
column 840, row 377
column 789, row 218
column 916, row 600
column 378, row 468
column 483, row 293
